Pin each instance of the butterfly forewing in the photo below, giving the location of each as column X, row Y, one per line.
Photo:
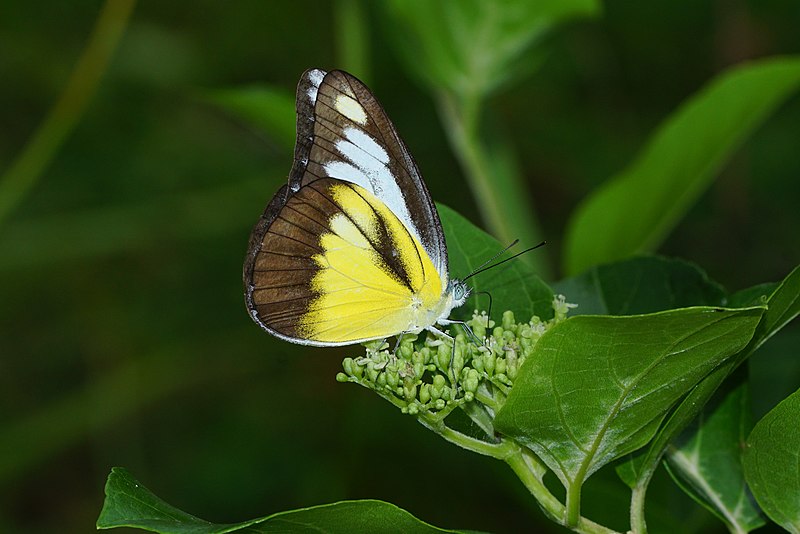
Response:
column 354, row 140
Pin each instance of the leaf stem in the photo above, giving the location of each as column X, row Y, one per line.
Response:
column 29, row 165
column 573, row 504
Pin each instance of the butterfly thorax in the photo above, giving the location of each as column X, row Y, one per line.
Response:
column 455, row 294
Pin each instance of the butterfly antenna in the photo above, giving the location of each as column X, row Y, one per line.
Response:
column 482, row 268
column 490, row 260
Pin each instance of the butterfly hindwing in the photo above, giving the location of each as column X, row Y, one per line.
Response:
column 317, row 276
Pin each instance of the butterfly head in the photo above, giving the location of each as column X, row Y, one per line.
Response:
column 459, row 290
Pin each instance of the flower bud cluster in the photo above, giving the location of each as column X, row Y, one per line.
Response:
column 426, row 375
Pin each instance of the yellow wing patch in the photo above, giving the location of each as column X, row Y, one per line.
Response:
column 360, row 296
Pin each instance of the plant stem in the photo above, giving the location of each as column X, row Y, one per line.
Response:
column 498, row 190
column 494, row 450
column 526, row 466
column 638, row 525
column 29, row 165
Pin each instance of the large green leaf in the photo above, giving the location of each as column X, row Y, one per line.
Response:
column 129, row 504
column 707, row 459
column 636, row 210
column 783, row 305
column 513, row 286
column 772, row 463
column 597, row 387
column 640, row 285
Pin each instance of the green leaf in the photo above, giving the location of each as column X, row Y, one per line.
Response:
column 597, row 387
column 271, row 111
column 514, row 286
column 706, row 461
column 782, row 305
column 772, row 463
column 129, row 504
column 471, row 47
column 638, row 208
column 752, row 296
column 640, row 285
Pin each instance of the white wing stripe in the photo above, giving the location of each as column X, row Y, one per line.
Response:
column 368, row 168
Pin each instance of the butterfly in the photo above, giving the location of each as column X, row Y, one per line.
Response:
column 352, row 248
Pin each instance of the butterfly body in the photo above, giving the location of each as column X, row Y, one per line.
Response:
column 351, row 249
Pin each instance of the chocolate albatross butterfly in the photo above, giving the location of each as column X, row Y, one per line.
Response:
column 351, row 249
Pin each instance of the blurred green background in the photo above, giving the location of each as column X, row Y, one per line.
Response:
column 123, row 334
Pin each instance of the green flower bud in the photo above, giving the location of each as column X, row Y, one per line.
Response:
column 508, row 320
column 458, row 362
column 341, row 377
column 347, row 365
column 471, row 385
column 443, row 354
column 418, row 369
column 381, row 380
column 477, row 362
column 410, row 393
column 497, row 332
column 392, row 378
column 500, row 366
column 478, row 327
column 439, row 383
column 412, row 409
column 489, row 362
column 440, row 404
column 469, row 396
column 512, row 363
column 512, row 372
column 406, row 349
column 373, row 374
column 425, row 393
column 425, row 354
column 447, row 393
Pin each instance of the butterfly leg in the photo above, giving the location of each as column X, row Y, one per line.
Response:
column 397, row 343
column 441, row 333
column 466, row 328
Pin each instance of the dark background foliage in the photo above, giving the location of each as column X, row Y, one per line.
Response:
column 123, row 335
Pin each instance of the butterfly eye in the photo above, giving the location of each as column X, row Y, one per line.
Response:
column 460, row 291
